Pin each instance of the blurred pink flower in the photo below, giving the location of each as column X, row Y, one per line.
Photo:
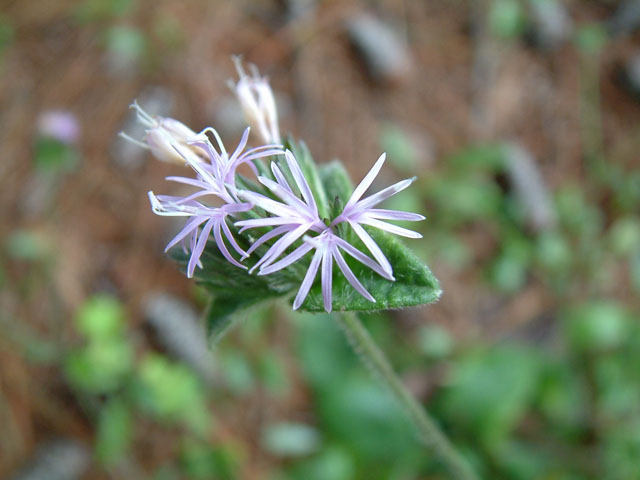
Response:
column 60, row 125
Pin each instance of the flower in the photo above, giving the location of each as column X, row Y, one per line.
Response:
column 213, row 218
column 215, row 177
column 222, row 165
column 327, row 247
column 257, row 102
column 161, row 134
column 358, row 212
column 60, row 125
column 292, row 219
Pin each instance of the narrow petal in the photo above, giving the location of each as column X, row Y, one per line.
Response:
column 327, row 278
column 189, row 181
column 268, row 236
column 293, row 257
column 382, row 214
column 271, row 206
column 280, row 246
column 280, row 178
column 351, row 278
column 232, row 241
column 193, row 161
column 404, row 232
column 382, row 195
column 307, row 282
column 285, row 194
column 362, row 258
column 261, row 154
column 265, row 222
column 373, row 247
column 301, row 181
column 222, row 247
column 197, row 250
column 192, row 224
column 241, row 145
column 366, row 181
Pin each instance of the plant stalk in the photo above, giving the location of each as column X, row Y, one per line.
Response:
column 430, row 434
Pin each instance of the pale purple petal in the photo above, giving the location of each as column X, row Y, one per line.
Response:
column 293, row 257
column 366, row 181
column 268, row 236
column 282, row 192
column 301, row 181
column 222, row 247
column 190, row 181
column 192, row 224
column 382, row 214
column 232, row 241
column 280, row 246
column 271, row 206
column 196, row 252
column 265, row 222
column 241, row 145
column 373, row 247
column 362, row 258
column 389, row 227
column 307, row 282
column 280, row 178
column 351, row 278
column 327, row 278
column 382, row 195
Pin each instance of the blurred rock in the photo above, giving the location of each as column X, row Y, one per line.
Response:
column 227, row 116
column 410, row 149
column 626, row 18
column 385, row 54
column 156, row 101
column 529, row 187
column 178, row 329
column 57, row 460
column 38, row 195
column 298, row 9
column 551, row 23
column 631, row 74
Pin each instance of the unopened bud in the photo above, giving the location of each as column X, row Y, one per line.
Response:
column 258, row 103
column 162, row 135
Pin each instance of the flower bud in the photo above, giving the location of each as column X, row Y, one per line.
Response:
column 258, row 103
column 163, row 135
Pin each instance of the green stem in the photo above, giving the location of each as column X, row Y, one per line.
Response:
column 429, row 433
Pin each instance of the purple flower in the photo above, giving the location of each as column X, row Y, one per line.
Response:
column 222, row 165
column 60, row 125
column 327, row 247
column 358, row 212
column 212, row 219
column 292, row 217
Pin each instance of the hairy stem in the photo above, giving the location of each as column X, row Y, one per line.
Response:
column 429, row 433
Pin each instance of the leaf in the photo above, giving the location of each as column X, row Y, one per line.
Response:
column 234, row 289
column 113, row 436
column 414, row 285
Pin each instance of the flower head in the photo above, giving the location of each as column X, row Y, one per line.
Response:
column 211, row 219
column 359, row 211
column 292, row 217
column 257, row 102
